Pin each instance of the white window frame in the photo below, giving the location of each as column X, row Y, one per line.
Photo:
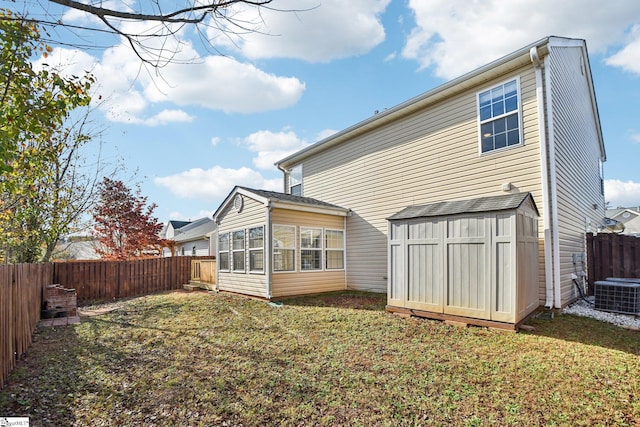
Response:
column 319, row 249
column 235, row 250
column 294, row 181
column 275, row 247
column 504, row 115
column 327, row 249
column 227, row 251
column 253, row 250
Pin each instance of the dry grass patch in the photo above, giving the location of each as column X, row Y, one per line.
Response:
column 337, row 359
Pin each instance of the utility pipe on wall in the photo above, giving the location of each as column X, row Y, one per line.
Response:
column 538, row 65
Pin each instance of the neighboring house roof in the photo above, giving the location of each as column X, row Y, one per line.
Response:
column 196, row 230
column 521, row 57
column 623, row 214
column 630, row 217
column 80, row 250
column 178, row 224
column 482, row 204
column 282, row 200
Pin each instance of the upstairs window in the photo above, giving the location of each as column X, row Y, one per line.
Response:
column 498, row 110
column 295, row 181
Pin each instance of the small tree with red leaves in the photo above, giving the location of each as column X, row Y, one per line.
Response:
column 124, row 224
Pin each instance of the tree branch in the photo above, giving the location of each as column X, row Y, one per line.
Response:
column 172, row 18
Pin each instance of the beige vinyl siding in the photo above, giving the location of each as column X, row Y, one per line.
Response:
column 577, row 152
column 306, row 282
column 429, row 156
column 252, row 214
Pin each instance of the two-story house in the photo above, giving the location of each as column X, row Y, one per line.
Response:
column 525, row 124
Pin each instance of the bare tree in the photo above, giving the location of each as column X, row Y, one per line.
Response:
column 72, row 191
column 155, row 46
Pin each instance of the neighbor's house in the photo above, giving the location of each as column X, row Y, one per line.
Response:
column 628, row 217
column 526, row 124
column 196, row 238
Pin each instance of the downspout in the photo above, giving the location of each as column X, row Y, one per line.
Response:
column 284, row 178
column 268, row 249
column 218, row 258
column 555, row 237
column 538, row 65
column 344, row 243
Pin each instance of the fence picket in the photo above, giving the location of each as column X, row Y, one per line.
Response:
column 612, row 255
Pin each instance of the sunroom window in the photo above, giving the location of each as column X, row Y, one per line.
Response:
column 223, row 252
column 498, row 110
column 310, row 249
column 334, row 249
column 256, row 249
column 238, row 250
column 284, row 248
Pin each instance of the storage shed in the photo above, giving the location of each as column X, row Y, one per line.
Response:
column 474, row 261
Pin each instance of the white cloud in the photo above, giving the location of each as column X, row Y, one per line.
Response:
column 307, row 29
column 222, row 83
column 635, row 137
column 629, row 57
column 215, row 140
column 214, row 184
column 272, row 146
column 456, row 36
column 131, row 95
column 169, row 116
column 622, row 194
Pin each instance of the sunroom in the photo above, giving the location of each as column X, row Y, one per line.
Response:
column 273, row 244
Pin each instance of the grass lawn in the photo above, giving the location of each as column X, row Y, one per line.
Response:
column 181, row 359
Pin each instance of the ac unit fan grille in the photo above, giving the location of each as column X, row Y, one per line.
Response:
column 618, row 297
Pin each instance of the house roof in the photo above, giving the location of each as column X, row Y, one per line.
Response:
column 281, row 200
column 467, row 81
column 276, row 196
column 196, row 230
column 178, row 224
column 620, row 212
column 482, row 204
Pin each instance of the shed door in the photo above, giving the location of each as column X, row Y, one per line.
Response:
column 424, row 266
column 467, row 252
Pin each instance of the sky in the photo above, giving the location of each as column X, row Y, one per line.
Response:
column 218, row 117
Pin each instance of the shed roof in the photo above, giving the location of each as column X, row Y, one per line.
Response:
column 482, row 204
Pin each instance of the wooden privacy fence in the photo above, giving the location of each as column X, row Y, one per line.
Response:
column 612, row 255
column 20, row 304
column 203, row 271
column 22, row 285
column 104, row 280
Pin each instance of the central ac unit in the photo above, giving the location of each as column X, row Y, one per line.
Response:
column 618, row 296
